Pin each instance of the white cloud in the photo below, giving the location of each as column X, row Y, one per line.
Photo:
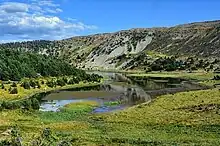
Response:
column 49, row 3
column 13, row 7
column 36, row 20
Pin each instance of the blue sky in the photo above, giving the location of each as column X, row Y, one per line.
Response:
column 58, row 19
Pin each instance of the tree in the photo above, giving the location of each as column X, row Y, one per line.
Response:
column 61, row 82
column 15, row 65
column 26, row 85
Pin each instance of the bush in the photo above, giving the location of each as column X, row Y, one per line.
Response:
column 51, row 83
column 76, row 79
column 193, row 68
column 7, row 105
column 71, row 81
column 38, row 85
column 27, row 104
column 61, row 82
column 13, row 91
column 2, row 86
column 33, row 84
column 217, row 77
column 35, row 104
column 42, row 82
column 5, row 143
column 26, row 85
column 14, row 84
column 65, row 79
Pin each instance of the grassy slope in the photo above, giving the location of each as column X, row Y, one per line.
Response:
column 203, row 77
column 169, row 120
column 166, row 121
column 22, row 93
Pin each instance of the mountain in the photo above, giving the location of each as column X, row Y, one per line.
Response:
column 122, row 49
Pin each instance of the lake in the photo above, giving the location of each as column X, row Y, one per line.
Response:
column 123, row 91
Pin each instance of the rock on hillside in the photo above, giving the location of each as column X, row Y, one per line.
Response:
column 108, row 50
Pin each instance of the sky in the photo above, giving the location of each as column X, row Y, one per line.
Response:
column 22, row 20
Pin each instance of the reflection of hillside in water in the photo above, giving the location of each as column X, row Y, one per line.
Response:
column 116, row 88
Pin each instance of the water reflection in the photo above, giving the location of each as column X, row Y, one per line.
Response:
column 116, row 88
column 55, row 105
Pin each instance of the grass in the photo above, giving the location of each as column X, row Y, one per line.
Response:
column 24, row 93
column 211, row 82
column 112, row 103
column 34, row 121
column 168, row 120
column 187, row 118
column 69, row 112
column 167, row 109
column 203, row 77
column 165, row 121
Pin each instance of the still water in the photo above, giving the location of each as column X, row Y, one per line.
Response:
column 116, row 88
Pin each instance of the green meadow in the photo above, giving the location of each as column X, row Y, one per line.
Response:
column 186, row 118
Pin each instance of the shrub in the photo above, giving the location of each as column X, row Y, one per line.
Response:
column 76, row 80
column 2, row 86
column 14, row 84
column 193, row 68
column 61, row 82
column 217, row 77
column 5, row 143
column 13, row 91
column 26, row 85
column 51, row 83
column 27, row 104
column 33, row 83
column 65, row 79
column 38, row 85
column 71, row 81
column 7, row 105
column 42, row 82
column 35, row 104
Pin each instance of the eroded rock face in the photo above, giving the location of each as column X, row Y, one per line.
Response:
column 112, row 50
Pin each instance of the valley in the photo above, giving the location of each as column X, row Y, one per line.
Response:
column 146, row 86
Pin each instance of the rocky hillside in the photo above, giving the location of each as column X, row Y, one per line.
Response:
column 120, row 49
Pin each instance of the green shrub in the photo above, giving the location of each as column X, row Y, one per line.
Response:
column 217, row 77
column 65, row 79
column 42, row 82
column 76, row 79
column 35, row 104
column 2, row 86
column 51, row 83
column 14, row 84
column 33, row 84
column 13, row 90
column 61, row 82
column 27, row 104
column 38, row 85
column 7, row 105
column 71, row 81
column 5, row 143
column 26, row 85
